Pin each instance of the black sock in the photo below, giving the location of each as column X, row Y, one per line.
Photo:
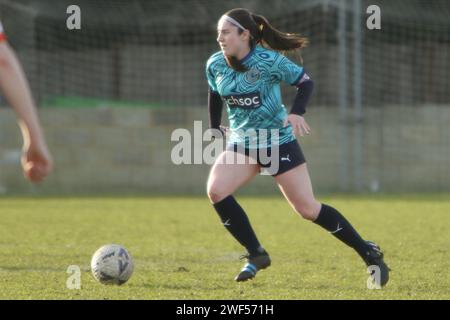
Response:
column 334, row 222
column 236, row 221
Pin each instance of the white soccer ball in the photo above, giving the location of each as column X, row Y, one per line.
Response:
column 112, row 264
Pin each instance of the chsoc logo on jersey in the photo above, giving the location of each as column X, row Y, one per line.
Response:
column 246, row 101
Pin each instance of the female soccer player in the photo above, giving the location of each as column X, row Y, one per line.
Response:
column 36, row 159
column 247, row 75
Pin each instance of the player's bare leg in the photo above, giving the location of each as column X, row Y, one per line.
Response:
column 230, row 171
column 296, row 186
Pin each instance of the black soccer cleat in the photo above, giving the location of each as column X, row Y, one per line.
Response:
column 253, row 265
column 374, row 258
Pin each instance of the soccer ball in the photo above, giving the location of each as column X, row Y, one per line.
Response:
column 112, row 264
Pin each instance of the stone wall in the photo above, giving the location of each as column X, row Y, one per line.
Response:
column 128, row 150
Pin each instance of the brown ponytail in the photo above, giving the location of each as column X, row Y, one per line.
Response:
column 276, row 39
column 263, row 32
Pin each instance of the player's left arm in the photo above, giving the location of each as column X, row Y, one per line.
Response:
column 305, row 88
column 289, row 72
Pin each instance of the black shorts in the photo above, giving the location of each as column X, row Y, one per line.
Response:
column 289, row 156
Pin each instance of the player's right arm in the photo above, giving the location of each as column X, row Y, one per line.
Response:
column 36, row 159
column 215, row 104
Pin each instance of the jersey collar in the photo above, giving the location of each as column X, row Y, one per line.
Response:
column 248, row 55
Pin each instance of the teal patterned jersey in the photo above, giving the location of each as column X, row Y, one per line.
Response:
column 255, row 110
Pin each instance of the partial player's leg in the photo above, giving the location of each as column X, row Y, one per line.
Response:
column 224, row 179
column 230, row 171
column 296, row 186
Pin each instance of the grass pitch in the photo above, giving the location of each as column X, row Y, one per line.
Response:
column 181, row 250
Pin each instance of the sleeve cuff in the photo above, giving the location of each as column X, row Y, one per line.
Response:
column 299, row 77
